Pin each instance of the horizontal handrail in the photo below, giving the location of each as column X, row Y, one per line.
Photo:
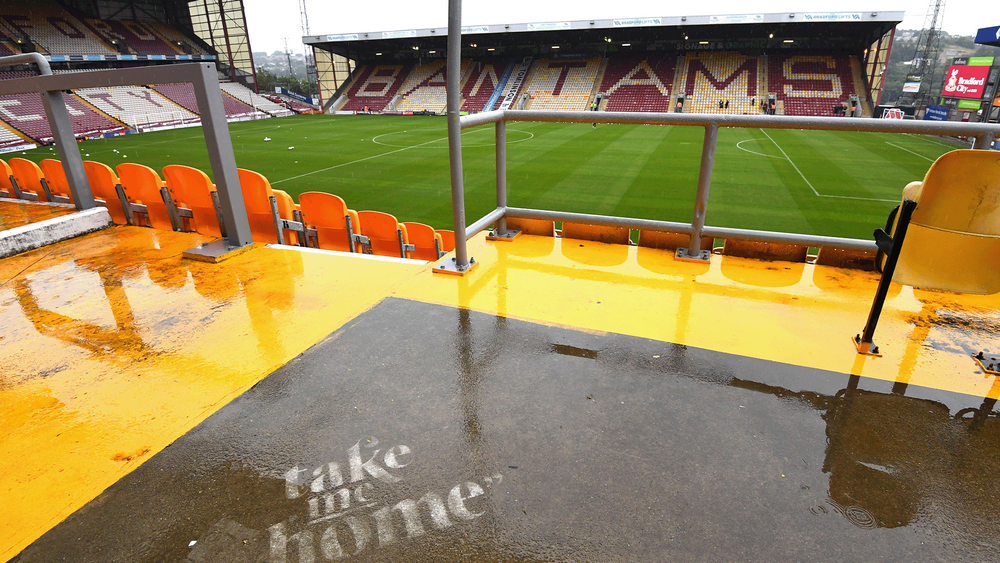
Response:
column 486, row 221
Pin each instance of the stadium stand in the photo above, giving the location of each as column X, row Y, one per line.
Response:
column 254, row 100
column 375, row 86
column 175, row 37
column 25, row 113
column 638, row 83
column 810, row 84
column 183, row 94
column 54, row 30
column 9, row 140
column 725, row 75
column 290, row 103
column 562, row 84
column 138, row 107
column 424, row 88
column 484, row 78
column 138, row 36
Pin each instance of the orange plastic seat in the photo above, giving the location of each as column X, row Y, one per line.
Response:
column 55, row 177
column 29, row 179
column 447, row 240
column 385, row 232
column 142, row 185
column 6, row 183
column 103, row 183
column 257, row 196
column 286, row 210
column 425, row 239
column 192, row 188
column 328, row 214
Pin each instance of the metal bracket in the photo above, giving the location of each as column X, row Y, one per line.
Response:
column 989, row 364
column 175, row 219
column 450, row 266
column 276, row 217
column 126, row 206
column 17, row 190
column 866, row 348
column 683, row 255
column 507, row 236
column 218, row 213
column 437, row 248
column 45, row 188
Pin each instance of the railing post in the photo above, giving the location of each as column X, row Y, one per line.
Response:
column 984, row 141
column 694, row 251
column 461, row 263
column 501, row 146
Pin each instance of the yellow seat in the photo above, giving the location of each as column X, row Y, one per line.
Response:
column 953, row 240
column 30, row 179
column 665, row 240
column 765, row 250
column 257, row 196
column 600, row 233
column 329, row 215
column 427, row 241
column 104, row 185
column 388, row 236
column 55, row 176
column 192, row 189
column 142, row 185
column 539, row 227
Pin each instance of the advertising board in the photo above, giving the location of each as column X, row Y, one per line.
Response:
column 936, row 113
column 962, row 81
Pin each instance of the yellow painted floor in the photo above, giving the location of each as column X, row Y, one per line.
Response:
column 113, row 346
column 17, row 213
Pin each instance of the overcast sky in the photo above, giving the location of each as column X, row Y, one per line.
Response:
column 270, row 26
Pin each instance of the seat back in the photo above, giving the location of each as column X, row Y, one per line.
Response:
column 600, row 233
column 142, row 185
column 257, row 195
column 328, row 214
column 286, row 209
column 765, row 250
column 447, row 240
column 665, row 240
column 192, row 188
column 29, row 178
column 953, row 240
column 539, row 227
column 425, row 239
column 55, row 176
column 6, row 188
column 103, row 181
column 383, row 230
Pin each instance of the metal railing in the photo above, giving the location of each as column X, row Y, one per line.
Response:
column 696, row 229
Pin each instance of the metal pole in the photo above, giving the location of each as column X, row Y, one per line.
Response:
column 704, row 183
column 455, row 131
column 69, row 151
column 501, row 146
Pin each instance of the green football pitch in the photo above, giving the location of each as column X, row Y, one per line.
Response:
column 813, row 182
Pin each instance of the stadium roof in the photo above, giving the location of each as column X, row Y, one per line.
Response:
column 824, row 30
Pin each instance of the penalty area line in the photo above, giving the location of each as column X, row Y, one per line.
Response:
column 808, row 183
column 909, row 151
column 354, row 161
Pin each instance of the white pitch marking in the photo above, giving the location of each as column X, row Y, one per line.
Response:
column 755, row 152
column 909, row 151
column 810, row 184
column 354, row 161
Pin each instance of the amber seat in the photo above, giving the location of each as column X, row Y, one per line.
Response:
column 600, row 233
column 257, row 196
column 7, row 181
column 765, row 250
column 539, row 227
column 447, row 240
column 192, row 189
column 665, row 240
column 142, row 186
column 55, row 176
column 427, row 242
column 30, row 179
column 104, row 184
column 388, row 236
column 329, row 215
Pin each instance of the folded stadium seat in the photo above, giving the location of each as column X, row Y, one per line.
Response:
column 7, row 181
column 30, row 180
column 335, row 224
column 141, row 185
column 600, row 233
column 539, row 227
column 670, row 241
column 192, row 189
column 105, row 186
column 55, row 176
column 257, row 195
column 842, row 258
column 765, row 250
column 447, row 240
column 287, row 210
column 429, row 244
column 388, row 236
